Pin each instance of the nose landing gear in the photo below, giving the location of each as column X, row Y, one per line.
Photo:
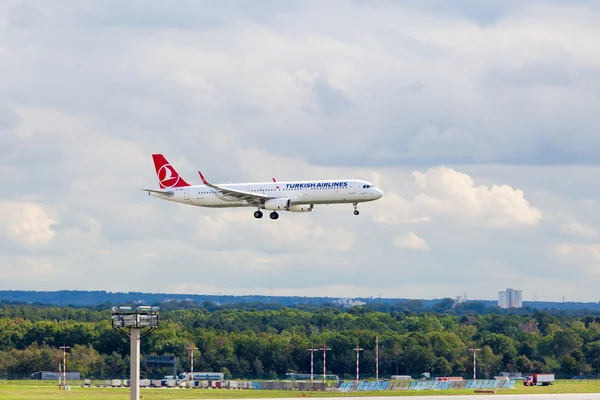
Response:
column 355, row 208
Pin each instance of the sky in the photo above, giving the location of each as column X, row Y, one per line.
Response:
column 478, row 120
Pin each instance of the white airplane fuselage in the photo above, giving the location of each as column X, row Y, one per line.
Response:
column 297, row 194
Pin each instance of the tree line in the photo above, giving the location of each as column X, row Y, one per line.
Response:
column 81, row 298
column 265, row 344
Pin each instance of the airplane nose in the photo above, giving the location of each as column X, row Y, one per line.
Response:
column 379, row 193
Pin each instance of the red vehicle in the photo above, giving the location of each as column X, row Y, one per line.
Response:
column 539, row 380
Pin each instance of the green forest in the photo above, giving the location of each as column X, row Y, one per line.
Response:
column 253, row 343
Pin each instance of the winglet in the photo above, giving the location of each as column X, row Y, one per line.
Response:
column 203, row 178
column 274, row 180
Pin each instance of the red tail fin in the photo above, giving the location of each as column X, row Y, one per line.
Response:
column 167, row 176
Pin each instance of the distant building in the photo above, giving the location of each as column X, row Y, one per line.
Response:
column 502, row 300
column 349, row 302
column 53, row 376
column 511, row 375
column 510, row 298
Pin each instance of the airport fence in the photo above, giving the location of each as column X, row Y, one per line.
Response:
column 583, row 381
column 369, row 386
column 306, row 386
column 425, row 385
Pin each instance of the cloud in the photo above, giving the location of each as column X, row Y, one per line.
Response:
column 504, row 94
column 27, row 223
column 449, row 192
column 410, row 241
column 443, row 191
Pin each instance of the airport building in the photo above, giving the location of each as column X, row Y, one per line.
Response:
column 510, row 298
column 53, row 376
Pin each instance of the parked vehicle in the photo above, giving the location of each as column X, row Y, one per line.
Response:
column 539, row 380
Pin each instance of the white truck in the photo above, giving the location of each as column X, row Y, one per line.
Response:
column 539, row 380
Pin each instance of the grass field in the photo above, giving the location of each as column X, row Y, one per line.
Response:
column 35, row 391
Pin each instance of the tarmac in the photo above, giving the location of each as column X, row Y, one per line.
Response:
column 567, row 396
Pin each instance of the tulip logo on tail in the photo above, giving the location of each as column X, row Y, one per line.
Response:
column 167, row 176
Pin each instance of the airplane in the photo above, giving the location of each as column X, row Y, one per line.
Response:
column 293, row 196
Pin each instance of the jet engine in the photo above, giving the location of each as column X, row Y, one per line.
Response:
column 282, row 203
column 301, row 208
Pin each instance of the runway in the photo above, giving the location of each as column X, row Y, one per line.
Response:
column 569, row 396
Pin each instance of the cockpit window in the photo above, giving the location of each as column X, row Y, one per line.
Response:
column 367, row 186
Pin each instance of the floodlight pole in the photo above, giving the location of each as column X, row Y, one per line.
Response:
column 474, row 350
column 377, row 358
column 324, row 348
column 358, row 350
column 312, row 352
column 59, row 369
column 192, row 360
column 134, row 364
column 129, row 323
column 64, row 348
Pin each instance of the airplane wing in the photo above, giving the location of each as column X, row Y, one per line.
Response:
column 250, row 197
column 165, row 192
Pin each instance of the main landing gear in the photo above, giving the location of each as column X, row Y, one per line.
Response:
column 355, row 208
column 259, row 214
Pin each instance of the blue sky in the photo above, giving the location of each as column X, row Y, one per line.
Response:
column 477, row 119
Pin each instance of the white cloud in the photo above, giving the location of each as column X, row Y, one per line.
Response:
column 444, row 191
column 449, row 192
column 27, row 223
column 410, row 241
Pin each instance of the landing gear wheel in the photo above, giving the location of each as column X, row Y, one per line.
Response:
column 356, row 212
column 258, row 214
column 355, row 208
column 274, row 215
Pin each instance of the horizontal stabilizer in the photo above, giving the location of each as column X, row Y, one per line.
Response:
column 158, row 191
